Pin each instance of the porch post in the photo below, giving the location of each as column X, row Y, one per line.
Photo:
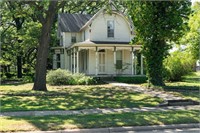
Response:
column 142, row 69
column 71, row 56
column 96, row 56
column 114, row 55
column 74, row 61
column 77, row 59
column 135, row 65
column 132, row 55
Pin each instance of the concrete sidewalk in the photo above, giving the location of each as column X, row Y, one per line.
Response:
column 99, row 111
column 149, row 129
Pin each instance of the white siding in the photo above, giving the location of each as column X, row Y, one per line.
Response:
column 66, row 39
column 110, row 62
column 62, row 61
column 99, row 28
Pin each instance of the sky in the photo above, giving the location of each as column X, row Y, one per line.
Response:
column 195, row 0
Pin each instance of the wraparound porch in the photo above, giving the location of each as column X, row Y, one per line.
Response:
column 105, row 60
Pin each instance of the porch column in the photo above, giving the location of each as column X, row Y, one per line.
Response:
column 132, row 57
column 74, row 61
column 114, row 55
column 96, row 57
column 77, row 59
column 142, row 69
column 71, row 55
column 135, row 65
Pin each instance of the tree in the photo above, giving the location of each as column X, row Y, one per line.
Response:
column 46, row 18
column 19, row 37
column 192, row 37
column 156, row 23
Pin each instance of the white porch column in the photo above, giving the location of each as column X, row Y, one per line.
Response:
column 132, row 57
column 74, row 61
column 142, row 69
column 114, row 55
column 135, row 65
column 77, row 59
column 71, row 55
column 96, row 57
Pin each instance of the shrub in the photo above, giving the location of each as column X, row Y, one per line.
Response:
column 64, row 77
column 135, row 80
column 176, row 65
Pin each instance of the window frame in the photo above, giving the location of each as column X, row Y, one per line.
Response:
column 73, row 38
column 110, row 32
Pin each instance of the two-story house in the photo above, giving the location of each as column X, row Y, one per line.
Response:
column 97, row 45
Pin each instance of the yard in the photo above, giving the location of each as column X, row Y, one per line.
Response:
column 72, row 98
column 188, row 88
column 22, row 98
column 98, row 120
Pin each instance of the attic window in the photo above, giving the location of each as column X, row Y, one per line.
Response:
column 73, row 37
column 110, row 28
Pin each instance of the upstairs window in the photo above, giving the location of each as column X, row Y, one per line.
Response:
column 73, row 37
column 110, row 28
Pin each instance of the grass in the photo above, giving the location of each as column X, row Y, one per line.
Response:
column 21, row 98
column 9, row 124
column 188, row 87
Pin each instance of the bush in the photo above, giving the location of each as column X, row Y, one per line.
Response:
column 176, row 65
column 135, row 80
column 64, row 77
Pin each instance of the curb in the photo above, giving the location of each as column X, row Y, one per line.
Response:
column 123, row 129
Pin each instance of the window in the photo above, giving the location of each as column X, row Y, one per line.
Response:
column 110, row 28
column 119, row 59
column 73, row 37
column 58, row 60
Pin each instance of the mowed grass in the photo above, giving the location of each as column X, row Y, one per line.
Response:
column 22, row 98
column 188, row 88
column 12, row 124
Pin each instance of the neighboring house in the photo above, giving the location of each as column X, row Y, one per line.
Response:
column 97, row 45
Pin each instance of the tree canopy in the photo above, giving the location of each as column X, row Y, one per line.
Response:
column 156, row 23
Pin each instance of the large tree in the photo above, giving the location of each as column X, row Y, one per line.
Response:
column 46, row 18
column 156, row 23
column 192, row 37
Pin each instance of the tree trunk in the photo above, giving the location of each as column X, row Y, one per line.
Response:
column 42, row 53
column 155, row 62
column 19, row 67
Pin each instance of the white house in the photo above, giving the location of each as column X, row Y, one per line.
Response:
column 97, row 45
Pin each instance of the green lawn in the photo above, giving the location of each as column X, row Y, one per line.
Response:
column 20, row 97
column 9, row 124
column 189, row 87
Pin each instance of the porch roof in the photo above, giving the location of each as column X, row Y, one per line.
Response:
column 89, row 43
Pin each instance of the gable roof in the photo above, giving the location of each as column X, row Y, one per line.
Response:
column 72, row 22
column 77, row 22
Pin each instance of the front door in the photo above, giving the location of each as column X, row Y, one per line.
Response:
column 102, row 66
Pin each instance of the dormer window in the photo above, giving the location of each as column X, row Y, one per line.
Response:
column 110, row 28
column 73, row 37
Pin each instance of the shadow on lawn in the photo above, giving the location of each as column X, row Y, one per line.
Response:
column 110, row 120
column 76, row 99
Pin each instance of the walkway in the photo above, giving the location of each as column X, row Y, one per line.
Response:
column 99, row 111
column 136, row 88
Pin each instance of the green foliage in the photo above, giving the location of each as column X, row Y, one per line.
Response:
column 135, row 80
column 192, row 37
column 157, row 22
column 179, row 63
column 64, row 77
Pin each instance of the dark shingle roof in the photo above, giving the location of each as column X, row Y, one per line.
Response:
column 72, row 22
